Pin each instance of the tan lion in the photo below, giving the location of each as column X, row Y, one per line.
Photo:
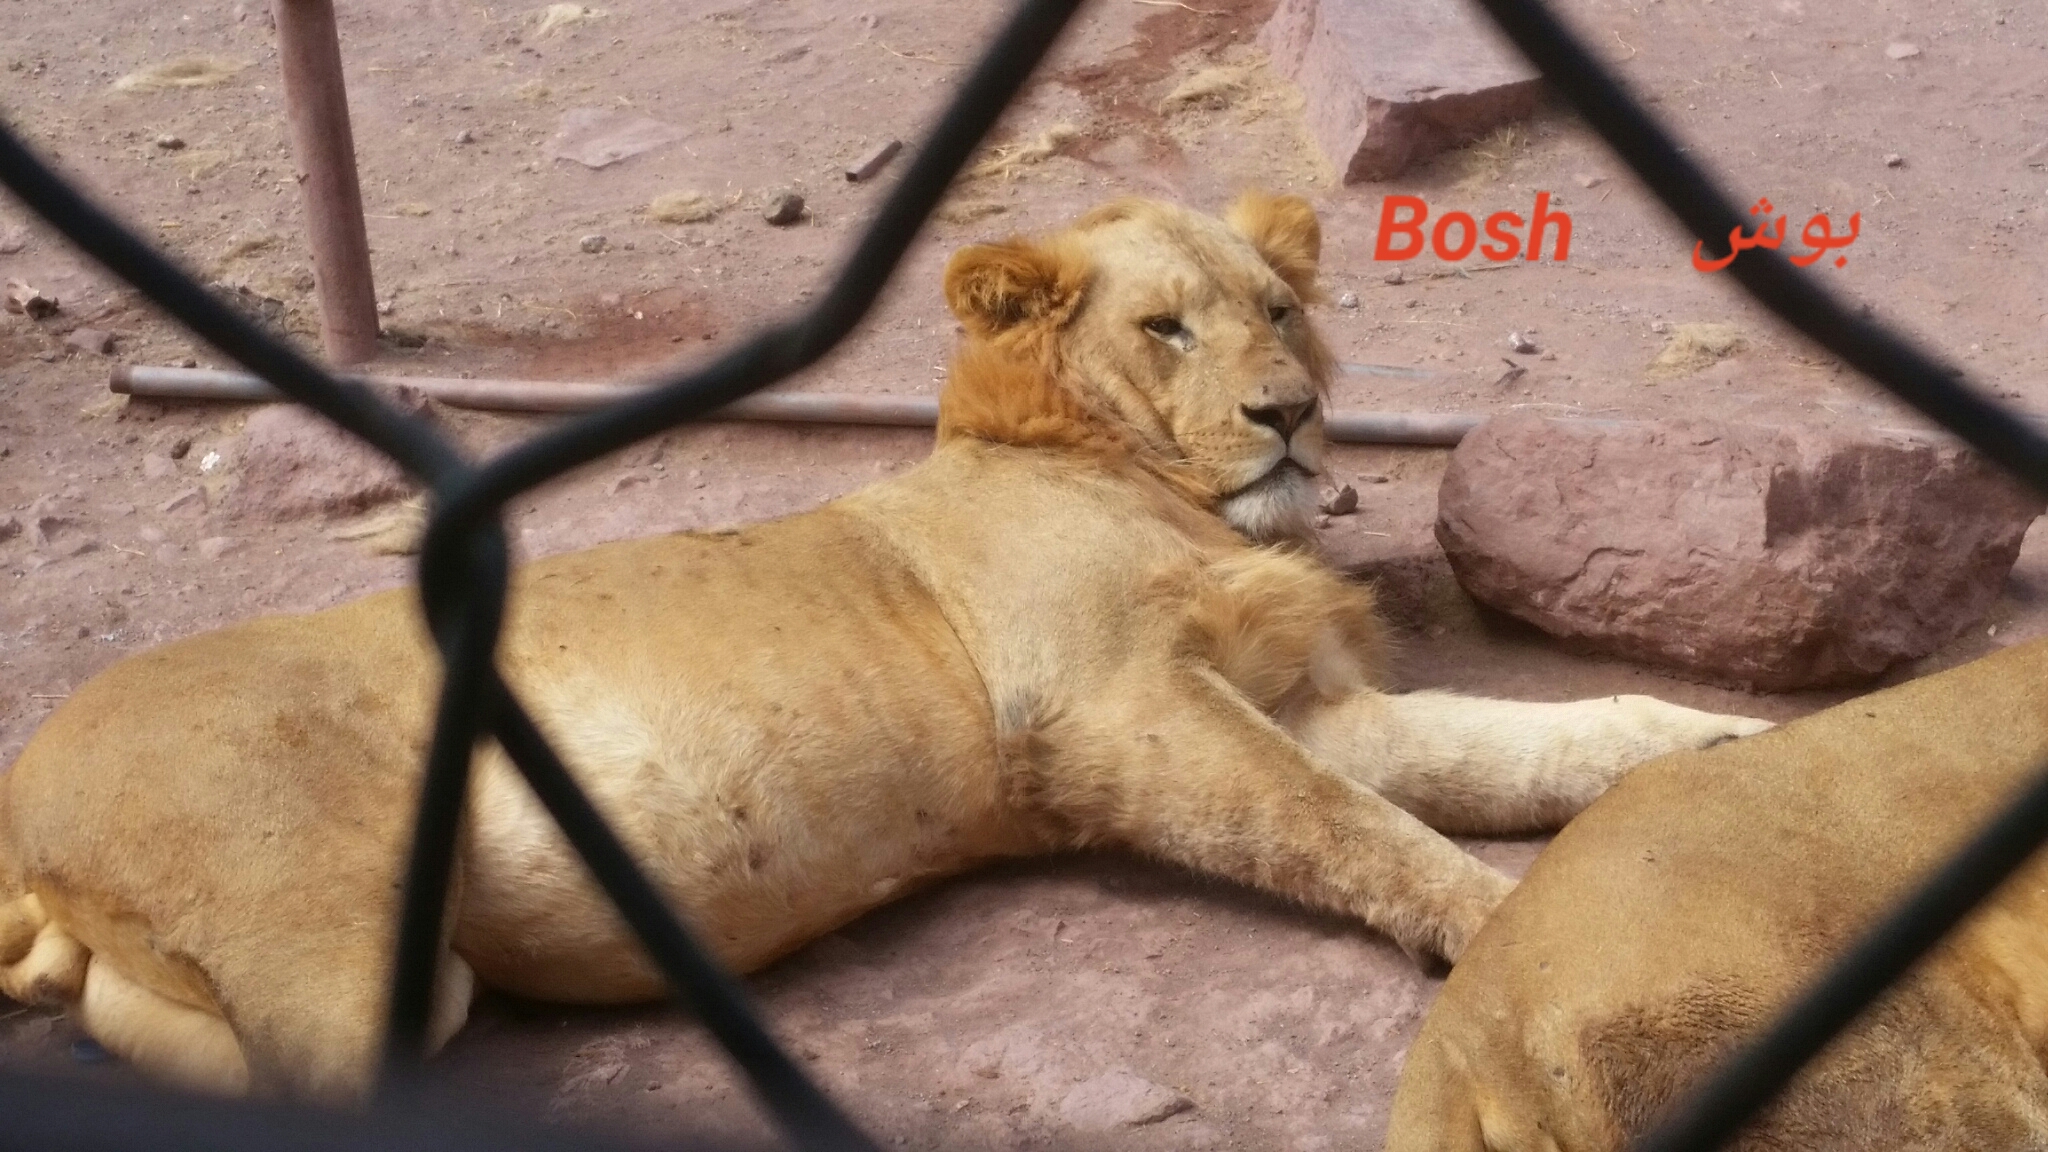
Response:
column 1081, row 621
column 1678, row 915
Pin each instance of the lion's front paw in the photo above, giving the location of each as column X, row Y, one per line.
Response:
column 1437, row 944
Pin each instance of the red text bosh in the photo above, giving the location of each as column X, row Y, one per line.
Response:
column 1456, row 233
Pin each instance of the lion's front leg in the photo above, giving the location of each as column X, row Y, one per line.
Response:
column 1182, row 767
column 1500, row 767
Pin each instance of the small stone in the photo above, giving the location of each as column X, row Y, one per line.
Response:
column 214, row 547
column 1521, row 344
column 1120, row 1100
column 1348, row 300
column 170, row 143
column 874, row 161
column 1375, row 478
column 10, row 527
column 189, row 498
column 150, row 534
column 157, row 467
column 386, row 307
column 13, row 239
column 465, row 137
column 181, row 445
column 1660, row 327
column 1342, row 502
column 1395, row 277
column 784, row 209
column 592, row 243
column 1901, row 50
column 94, row 340
column 1322, row 521
column 1590, row 180
column 28, row 300
column 1894, row 160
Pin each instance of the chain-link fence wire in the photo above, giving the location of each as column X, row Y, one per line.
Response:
column 464, row 567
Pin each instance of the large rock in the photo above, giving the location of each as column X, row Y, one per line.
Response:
column 294, row 463
column 1389, row 82
column 1773, row 558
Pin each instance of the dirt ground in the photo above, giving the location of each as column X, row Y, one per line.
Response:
column 962, row 1017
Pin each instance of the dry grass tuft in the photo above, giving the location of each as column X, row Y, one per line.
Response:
column 1691, row 347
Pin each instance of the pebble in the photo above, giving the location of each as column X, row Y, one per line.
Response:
column 1395, row 277
column 465, row 137
column 94, row 340
column 784, row 208
column 1342, row 502
column 183, row 444
column 170, row 143
column 1901, row 50
column 592, row 243
column 13, row 239
column 189, row 498
column 876, row 159
column 1894, row 160
column 1348, row 300
column 1520, row 343
column 214, row 547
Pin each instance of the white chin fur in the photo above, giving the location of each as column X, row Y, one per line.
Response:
column 1276, row 510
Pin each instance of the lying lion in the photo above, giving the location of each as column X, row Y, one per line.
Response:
column 1083, row 620
column 1677, row 916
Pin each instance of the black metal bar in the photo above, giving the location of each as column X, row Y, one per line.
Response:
column 471, row 629
column 41, row 1113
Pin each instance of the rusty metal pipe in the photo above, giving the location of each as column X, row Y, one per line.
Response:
column 316, row 105
column 1344, row 426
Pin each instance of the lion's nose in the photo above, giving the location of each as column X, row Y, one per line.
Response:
column 1281, row 418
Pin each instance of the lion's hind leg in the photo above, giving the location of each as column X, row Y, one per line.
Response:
column 40, row 963
column 190, row 1047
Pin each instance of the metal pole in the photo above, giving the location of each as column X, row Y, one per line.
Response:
column 316, row 104
column 1342, row 426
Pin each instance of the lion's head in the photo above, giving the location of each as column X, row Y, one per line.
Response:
column 1183, row 331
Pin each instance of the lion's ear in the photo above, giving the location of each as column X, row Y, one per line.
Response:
column 993, row 288
column 1286, row 234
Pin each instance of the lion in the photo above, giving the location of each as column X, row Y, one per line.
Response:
column 1090, row 617
column 1676, row 918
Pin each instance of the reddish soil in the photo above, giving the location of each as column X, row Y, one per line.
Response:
column 959, row 1017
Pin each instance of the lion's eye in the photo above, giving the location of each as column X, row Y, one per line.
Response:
column 1279, row 313
column 1164, row 327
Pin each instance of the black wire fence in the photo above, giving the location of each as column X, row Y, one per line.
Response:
column 464, row 567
